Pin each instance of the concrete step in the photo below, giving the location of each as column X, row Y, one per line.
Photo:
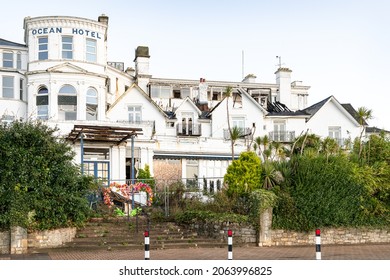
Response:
column 121, row 233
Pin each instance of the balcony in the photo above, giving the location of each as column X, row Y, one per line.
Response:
column 245, row 133
column 282, row 136
column 188, row 130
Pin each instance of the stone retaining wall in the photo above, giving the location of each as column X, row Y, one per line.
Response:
column 241, row 233
column 331, row 236
column 18, row 240
column 5, row 242
column 247, row 234
column 51, row 238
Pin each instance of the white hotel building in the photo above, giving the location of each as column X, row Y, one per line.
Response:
column 115, row 115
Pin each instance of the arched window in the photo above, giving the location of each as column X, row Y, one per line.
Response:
column 42, row 103
column 67, row 103
column 92, row 104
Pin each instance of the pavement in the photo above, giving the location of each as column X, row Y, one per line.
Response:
column 328, row 252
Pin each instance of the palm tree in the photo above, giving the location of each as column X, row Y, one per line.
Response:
column 269, row 175
column 363, row 114
column 329, row 147
column 263, row 153
column 235, row 134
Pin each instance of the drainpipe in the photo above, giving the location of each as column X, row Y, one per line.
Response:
column 82, row 152
column 132, row 171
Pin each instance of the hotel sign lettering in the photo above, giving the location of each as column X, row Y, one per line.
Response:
column 73, row 31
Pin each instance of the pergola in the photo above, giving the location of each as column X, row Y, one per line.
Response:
column 102, row 134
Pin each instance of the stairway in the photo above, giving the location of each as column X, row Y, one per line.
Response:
column 128, row 233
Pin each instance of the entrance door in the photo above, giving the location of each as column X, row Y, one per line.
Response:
column 99, row 169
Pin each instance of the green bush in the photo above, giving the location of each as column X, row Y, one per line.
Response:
column 40, row 187
column 327, row 193
column 204, row 216
column 244, row 174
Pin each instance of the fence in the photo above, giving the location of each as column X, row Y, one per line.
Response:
column 168, row 192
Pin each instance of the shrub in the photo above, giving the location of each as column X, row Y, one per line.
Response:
column 244, row 174
column 40, row 187
column 327, row 193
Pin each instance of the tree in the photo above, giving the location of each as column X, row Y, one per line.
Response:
column 40, row 186
column 329, row 147
column 243, row 175
column 264, row 153
column 363, row 114
column 235, row 134
column 227, row 94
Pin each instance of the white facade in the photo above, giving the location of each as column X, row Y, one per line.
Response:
column 62, row 77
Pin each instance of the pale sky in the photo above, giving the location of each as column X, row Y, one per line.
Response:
column 339, row 48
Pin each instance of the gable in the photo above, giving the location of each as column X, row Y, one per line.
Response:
column 332, row 113
column 188, row 105
column 66, row 68
column 134, row 96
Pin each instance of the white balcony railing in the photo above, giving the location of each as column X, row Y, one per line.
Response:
column 282, row 136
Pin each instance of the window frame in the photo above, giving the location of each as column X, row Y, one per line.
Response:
column 67, row 47
column 134, row 115
column 90, row 50
column 19, row 61
column 67, row 111
column 8, row 62
column 7, row 88
column 93, row 105
column 42, row 109
column 43, row 48
column 21, row 89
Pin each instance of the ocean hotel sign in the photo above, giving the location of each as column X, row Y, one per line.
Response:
column 75, row 31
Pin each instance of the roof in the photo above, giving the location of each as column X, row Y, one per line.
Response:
column 315, row 107
column 11, row 44
column 279, row 109
column 373, row 129
column 191, row 155
column 143, row 93
column 103, row 134
column 352, row 112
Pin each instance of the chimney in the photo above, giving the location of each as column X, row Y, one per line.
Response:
column 202, row 91
column 130, row 71
column 103, row 19
column 142, row 60
column 142, row 66
column 283, row 79
column 250, row 78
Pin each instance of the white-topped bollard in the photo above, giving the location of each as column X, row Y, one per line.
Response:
column 147, row 254
column 318, row 244
column 230, row 244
